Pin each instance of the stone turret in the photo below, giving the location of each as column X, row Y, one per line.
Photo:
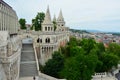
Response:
column 60, row 17
column 47, row 24
column 60, row 20
column 47, row 19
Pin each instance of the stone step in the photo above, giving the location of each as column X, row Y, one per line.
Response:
column 28, row 57
column 30, row 78
column 27, row 51
column 28, row 69
column 28, row 66
column 24, row 62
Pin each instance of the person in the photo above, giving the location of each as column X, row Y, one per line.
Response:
column 34, row 78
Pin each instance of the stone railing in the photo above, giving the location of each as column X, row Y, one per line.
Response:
column 50, row 44
column 103, row 76
column 100, row 74
column 40, row 32
column 37, row 63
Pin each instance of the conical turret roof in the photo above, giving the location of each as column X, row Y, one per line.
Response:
column 60, row 17
column 47, row 19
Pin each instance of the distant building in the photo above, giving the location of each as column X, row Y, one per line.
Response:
column 28, row 26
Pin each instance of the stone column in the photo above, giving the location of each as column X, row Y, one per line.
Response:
column 5, row 19
column 0, row 17
column 42, row 58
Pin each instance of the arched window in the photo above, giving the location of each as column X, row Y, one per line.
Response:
column 48, row 28
column 39, row 40
column 45, row 28
column 47, row 40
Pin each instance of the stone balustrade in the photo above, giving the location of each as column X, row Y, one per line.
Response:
column 103, row 76
column 100, row 74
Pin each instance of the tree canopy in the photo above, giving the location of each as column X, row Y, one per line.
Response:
column 54, row 65
column 22, row 23
column 37, row 21
column 82, row 58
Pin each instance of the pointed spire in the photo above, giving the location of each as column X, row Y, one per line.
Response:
column 47, row 19
column 54, row 19
column 60, row 17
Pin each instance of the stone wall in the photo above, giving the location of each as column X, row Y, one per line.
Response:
column 2, row 73
column 10, row 56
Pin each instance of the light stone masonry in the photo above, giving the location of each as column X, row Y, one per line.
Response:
column 8, row 18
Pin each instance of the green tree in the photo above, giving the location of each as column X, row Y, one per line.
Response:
column 114, row 48
column 22, row 23
column 74, row 51
column 109, row 61
column 79, row 67
column 54, row 65
column 82, row 59
column 88, row 45
column 55, row 25
column 73, row 42
column 37, row 22
column 71, row 70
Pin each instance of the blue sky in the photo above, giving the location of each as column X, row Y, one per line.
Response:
column 103, row 15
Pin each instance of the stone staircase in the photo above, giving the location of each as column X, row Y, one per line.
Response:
column 28, row 66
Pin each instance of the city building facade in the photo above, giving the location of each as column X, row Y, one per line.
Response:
column 8, row 18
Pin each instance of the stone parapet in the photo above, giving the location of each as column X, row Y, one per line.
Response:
column 103, row 76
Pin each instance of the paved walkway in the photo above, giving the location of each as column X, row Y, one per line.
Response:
column 28, row 64
column 28, row 78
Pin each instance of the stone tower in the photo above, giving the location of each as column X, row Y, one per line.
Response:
column 47, row 25
column 60, row 20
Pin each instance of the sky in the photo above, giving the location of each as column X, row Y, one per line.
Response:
column 102, row 15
